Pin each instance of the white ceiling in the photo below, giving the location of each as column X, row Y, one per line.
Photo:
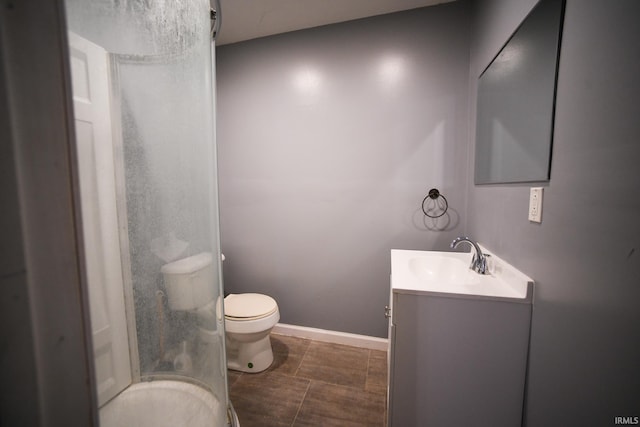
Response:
column 250, row 19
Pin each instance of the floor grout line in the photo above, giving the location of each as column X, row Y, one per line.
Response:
column 304, row 396
column 366, row 374
column 306, row 350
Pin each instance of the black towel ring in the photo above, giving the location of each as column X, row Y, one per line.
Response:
column 434, row 195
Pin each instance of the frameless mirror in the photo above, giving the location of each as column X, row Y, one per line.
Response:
column 516, row 98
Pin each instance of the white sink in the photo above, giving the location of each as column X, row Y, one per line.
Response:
column 448, row 272
column 436, row 268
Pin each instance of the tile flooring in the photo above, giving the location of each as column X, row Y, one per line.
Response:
column 312, row 383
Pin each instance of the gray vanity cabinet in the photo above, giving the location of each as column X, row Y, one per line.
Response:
column 457, row 360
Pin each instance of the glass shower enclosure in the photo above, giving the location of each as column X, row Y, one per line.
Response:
column 144, row 108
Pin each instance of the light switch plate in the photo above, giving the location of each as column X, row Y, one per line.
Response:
column 535, row 204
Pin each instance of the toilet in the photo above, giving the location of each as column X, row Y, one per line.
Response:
column 248, row 319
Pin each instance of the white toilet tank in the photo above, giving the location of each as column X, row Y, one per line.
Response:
column 189, row 281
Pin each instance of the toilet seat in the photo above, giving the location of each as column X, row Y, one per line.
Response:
column 247, row 307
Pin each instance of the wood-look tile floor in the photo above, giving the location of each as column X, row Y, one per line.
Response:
column 312, row 383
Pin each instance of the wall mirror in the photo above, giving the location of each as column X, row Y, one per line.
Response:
column 516, row 98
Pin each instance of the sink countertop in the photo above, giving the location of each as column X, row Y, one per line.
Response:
column 448, row 273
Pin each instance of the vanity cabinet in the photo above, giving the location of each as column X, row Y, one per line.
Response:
column 456, row 359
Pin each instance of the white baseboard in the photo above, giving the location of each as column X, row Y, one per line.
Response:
column 335, row 337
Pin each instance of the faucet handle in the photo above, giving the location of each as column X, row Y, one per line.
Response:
column 482, row 264
column 490, row 265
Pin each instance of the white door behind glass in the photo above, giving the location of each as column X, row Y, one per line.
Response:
column 90, row 82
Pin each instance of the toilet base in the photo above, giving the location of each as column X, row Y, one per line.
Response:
column 249, row 357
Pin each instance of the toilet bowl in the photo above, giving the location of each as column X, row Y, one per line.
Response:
column 249, row 319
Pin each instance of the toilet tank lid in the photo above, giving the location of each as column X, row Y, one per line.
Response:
column 187, row 265
column 248, row 305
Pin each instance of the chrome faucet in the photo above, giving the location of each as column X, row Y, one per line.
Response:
column 479, row 260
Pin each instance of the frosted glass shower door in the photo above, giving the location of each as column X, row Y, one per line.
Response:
column 142, row 77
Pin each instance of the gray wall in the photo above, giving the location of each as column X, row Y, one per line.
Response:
column 17, row 364
column 329, row 139
column 585, row 256
column 46, row 366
